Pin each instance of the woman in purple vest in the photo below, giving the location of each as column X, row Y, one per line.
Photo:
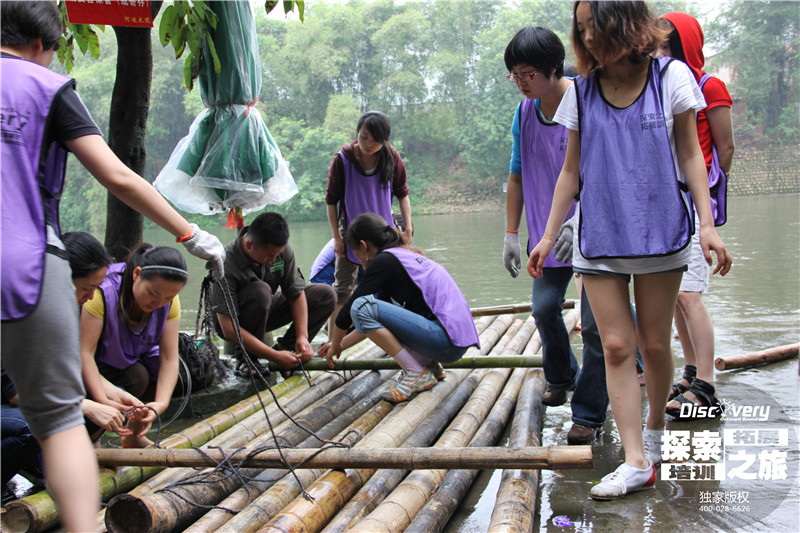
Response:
column 363, row 177
column 43, row 118
column 407, row 304
column 129, row 334
column 631, row 151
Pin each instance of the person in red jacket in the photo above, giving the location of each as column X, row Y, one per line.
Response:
column 714, row 128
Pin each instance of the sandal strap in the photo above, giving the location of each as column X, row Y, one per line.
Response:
column 689, row 373
column 704, row 392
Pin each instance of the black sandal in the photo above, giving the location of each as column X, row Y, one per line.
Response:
column 689, row 373
column 253, row 367
column 704, row 393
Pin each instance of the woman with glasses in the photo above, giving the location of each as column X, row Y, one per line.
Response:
column 535, row 61
column 363, row 177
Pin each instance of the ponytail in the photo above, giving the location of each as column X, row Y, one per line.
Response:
column 371, row 228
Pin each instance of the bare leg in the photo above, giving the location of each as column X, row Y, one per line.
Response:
column 610, row 303
column 655, row 296
column 386, row 341
column 700, row 332
column 696, row 335
column 71, row 467
column 686, row 344
column 332, row 321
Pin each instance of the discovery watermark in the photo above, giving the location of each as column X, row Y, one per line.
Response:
column 738, row 460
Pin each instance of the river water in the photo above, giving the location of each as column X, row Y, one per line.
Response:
column 756, row 306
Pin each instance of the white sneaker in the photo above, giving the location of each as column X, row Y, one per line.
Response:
column 652, row 445
column 624, row 480
column 408, row 384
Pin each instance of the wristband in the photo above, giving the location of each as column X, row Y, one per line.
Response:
column 548, row 237
column 512, row 231
column 185, row 237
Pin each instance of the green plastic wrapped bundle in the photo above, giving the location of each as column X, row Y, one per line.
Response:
column 229, row 160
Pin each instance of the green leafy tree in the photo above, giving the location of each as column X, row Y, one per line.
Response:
column 185, row 25
column 760, row 42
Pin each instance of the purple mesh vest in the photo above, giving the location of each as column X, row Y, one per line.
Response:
column 632, row 201
column 32, row 179
column 441, row 294
column 542, row 150
column 364, row 194
column 119, row 346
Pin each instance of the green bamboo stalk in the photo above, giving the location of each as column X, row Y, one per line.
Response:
column 38, row 512
column 168, row 511
column 468, row 362
column 513, row 309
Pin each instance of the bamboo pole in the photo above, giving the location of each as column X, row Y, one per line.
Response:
column 171, row 510
column 367, row 350
column 512, row 309
column 265, row 479
column 435, row 514
column 385, row 480
column 770, row 355
column 476, row 361
column 515, row 507
column 333, row 489
column 396, row 511
column 268, row 504
column 38, row 512
column 419, row 458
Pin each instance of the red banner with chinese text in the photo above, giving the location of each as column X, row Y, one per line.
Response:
column 110, row 12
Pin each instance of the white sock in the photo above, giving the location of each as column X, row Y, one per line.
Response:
column 421, row 359
column 408, row 362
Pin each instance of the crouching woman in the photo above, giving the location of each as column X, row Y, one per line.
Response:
column 407, row 304
column 129, row 334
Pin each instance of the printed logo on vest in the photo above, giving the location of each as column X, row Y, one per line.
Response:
column 651, row 121
column 11, row 123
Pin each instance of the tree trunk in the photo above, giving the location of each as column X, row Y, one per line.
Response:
column 130, row 105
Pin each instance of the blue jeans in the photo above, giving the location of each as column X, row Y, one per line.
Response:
column 590, row 399
column 19, row 447
column 558, row 361
column 424, row 336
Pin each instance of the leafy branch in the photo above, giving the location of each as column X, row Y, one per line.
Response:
column 183, row 23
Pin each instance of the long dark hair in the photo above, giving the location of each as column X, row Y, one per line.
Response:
column 371, row 228
column 673, row 40
column 378, row 126
column 155, row 261
column 85, row 253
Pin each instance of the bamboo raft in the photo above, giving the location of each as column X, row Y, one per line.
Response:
column 401, row 467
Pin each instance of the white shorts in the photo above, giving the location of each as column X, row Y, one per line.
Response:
column 696, row 279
